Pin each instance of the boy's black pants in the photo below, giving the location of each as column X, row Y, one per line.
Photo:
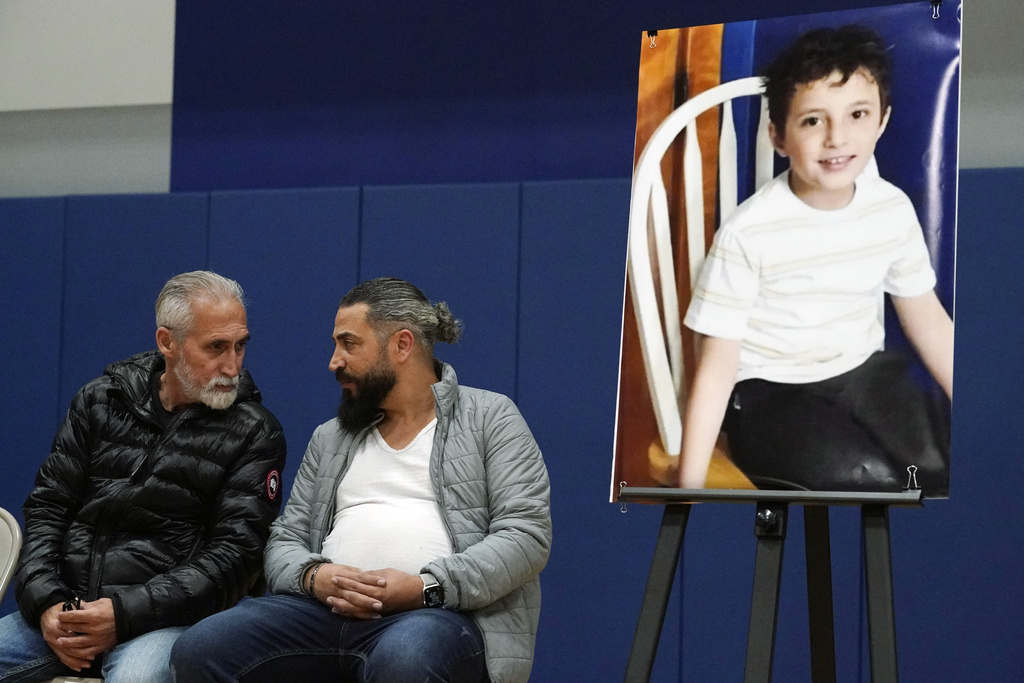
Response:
column 858, row 431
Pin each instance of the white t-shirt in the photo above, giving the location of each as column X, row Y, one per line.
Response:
column 801, row 288
column 387, row 514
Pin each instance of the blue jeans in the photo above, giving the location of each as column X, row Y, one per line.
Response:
column 25, row 656
column 290, row 638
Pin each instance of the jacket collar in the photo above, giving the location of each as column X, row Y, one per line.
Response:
column 133, row 377
column 446, row 391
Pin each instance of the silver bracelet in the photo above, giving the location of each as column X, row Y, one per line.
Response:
column 312, row 579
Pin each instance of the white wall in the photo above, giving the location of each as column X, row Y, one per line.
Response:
column 992, row 86
column 66, row 54
column 85, row 96
column 95, row 150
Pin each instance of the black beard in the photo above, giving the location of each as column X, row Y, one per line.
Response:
column 357, row 412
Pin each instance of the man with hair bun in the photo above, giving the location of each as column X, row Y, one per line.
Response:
column 419, row 521
column 154, row 505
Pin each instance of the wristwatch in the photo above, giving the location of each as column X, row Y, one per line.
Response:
column 433, row 593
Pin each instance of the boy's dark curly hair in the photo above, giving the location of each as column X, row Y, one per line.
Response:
column 816, row 55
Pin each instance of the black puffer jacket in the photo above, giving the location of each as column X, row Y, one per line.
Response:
column 169, row 524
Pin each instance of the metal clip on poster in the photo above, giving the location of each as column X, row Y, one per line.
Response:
column 936, row 4
column 770, row 524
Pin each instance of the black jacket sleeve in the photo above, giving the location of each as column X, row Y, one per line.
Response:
column 60, row 487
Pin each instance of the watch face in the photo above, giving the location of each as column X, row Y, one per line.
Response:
column 433, row 596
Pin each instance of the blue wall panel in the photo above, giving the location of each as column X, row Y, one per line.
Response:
column 957, row 564
column 457, row 243
column 295, row 253
column 119, row 252
column 718, row 565
column 573, row 262
column 312, row 93
column 96, row 268
column 30, row 296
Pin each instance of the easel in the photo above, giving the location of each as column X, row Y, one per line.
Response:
column 770, row 529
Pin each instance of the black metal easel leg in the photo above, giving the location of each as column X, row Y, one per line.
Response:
column 770, row 528
column 818, row 547
column 659, row 586
column 878, row 579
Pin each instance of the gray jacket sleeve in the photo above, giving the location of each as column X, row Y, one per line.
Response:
column 516, row 543
column 289, row 550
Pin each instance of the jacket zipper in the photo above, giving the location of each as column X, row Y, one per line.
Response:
column 99, row 547
column 102, row 541
column 439, row 484
column 138, row 474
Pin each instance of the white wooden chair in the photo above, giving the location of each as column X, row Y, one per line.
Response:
column 650, row 239
column 660, row 328
column 10, row 547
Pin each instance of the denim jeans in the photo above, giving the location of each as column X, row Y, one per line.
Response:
column 290, row 638
column 25, row 656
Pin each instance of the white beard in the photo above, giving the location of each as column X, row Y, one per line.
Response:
column 207, row 395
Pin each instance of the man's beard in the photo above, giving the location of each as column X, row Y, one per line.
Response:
column 358, row 411
column 208, row 395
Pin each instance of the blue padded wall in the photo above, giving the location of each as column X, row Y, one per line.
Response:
column 119, row 251
column 30, row 303
column 956, row 563
column 314, row 93
column 295, row 253
column 459, row 244
column 573, row 264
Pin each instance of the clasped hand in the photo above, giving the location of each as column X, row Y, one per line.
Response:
column 352, row 592
column 77, row 636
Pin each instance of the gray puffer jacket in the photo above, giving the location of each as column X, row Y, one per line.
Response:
column 492, row 488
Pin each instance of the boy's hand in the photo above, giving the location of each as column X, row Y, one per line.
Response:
column 930, row 329
column 712, row 385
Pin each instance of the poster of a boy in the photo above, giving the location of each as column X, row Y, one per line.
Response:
column 788, row 304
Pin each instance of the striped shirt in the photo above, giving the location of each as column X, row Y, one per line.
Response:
column 802, row 288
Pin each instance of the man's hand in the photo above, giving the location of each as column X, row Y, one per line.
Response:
column 402, row 592
column 352, row 592
column 85, row 632
column 53, row 632
column 349, row 591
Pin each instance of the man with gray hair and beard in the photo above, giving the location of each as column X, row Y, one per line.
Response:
column 419, row 521
column 153, row 508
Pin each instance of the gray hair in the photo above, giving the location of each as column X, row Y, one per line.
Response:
column 395, row 304
column 174, row 305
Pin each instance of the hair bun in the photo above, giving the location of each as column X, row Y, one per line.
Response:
column 448, row 328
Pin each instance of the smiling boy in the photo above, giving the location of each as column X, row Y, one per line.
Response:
column 788, row 304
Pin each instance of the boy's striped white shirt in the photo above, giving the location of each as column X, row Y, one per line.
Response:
column 801, row 287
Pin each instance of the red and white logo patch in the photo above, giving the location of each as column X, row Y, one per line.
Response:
column 273, row 484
